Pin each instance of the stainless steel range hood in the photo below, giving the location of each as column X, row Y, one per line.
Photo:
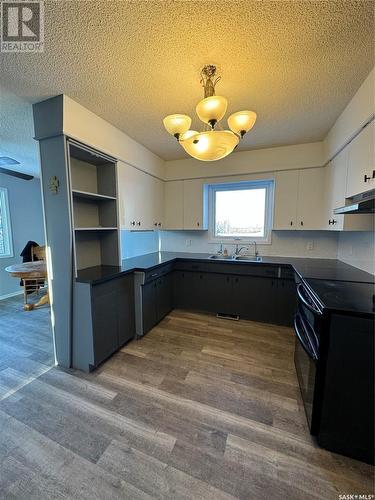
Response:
column 360, row 204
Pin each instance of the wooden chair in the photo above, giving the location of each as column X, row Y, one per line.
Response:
column 33, row 285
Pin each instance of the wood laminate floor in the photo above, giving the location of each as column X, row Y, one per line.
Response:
column 200, row 408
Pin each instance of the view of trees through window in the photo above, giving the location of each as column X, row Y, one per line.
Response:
column 240, row 213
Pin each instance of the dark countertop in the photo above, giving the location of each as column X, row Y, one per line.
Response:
column 344, row 295
column 339, row 286
column 320, row 269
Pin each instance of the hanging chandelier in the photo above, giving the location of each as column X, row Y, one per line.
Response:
column 212, row 143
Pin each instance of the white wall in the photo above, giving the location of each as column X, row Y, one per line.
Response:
column 249, row 162
column 82, row 124
column 25, row 206
column 358, row 249
column 135, row 243
column 284, row 243
column 356, row 114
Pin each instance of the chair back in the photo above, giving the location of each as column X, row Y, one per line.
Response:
column 38, row 253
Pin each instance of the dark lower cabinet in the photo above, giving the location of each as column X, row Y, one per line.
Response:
column 157, row 301
column 254, row 298
column 285, row 302
column 190, row 290
column 263, row 299
column 105, row 320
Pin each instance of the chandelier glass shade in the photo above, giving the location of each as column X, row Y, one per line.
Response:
column 212, row 143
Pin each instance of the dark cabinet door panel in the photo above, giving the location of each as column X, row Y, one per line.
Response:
column 254, row 298
column 219, row 289
column 149, row 306
column 105, row 325
column 125, row 308
column 164, row 296
column 285, row 302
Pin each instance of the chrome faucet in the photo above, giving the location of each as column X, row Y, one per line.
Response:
column 238, row 250
column 220, row 251
column 256, row 253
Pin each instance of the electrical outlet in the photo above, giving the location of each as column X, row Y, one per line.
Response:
column 310, row 245
column 188, row 243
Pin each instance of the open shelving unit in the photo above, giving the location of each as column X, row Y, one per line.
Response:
column 94, row 202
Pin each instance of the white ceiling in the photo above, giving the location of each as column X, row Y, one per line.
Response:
column 296, row 63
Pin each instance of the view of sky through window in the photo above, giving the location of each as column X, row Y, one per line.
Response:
column 240, row 213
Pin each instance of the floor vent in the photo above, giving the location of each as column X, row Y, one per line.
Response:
column 233, row 317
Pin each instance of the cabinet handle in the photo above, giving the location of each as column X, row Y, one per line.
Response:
column 138, row 223
column 155, row 224
column 159, row 224
column 132, row 223
column 301, row 222
column 366, row 178
column 198, row 224
column 373, row 174
column 291, row 223
column 236, row 280
column 154, row 275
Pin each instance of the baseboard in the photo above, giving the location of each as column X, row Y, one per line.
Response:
column 8, row 295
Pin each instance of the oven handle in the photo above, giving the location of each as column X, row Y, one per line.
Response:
column 308, row 348
column 300, row 287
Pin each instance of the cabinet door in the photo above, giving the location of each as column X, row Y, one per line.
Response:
column 286, row 190
column 149, row 312
column 254, row 298
column 361, row 162
column 219, row 297
column 335, row 185
column 285, row 301
column 105, row 322
column 129, row 183
column 195, row 205
column 164, row 296
column 310, row 204
column 158, row 203
column 174, row 205
column 125, row 310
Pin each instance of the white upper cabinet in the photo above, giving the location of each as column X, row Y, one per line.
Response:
column 310, row 201
column 361, row 162
column 335, row 192
column 141, row 199
column 174, row 205
column 299, row 199
column 195, row 205
column 286, row 195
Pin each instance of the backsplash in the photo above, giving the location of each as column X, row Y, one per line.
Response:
column 284, row 243
column 358, row 249
column 135, row 243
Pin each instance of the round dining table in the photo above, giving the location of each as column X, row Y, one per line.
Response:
column 31, row 271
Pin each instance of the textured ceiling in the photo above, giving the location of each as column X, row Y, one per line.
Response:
column 296, row 63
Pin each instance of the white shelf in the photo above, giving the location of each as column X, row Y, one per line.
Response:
column 91, row 196
column 95, row 229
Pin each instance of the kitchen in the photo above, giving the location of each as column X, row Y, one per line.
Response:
column 213, row 320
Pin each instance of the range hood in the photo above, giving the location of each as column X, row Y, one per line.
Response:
column 360, row 204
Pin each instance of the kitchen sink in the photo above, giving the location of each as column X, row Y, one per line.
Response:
column 248, row 258
column 221, row 257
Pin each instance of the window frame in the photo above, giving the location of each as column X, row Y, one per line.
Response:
column 268, row 184
column 8, row 240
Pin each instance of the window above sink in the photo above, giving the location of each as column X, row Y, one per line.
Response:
column 241, row 211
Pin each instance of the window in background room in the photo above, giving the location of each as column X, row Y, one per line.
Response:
column 6, row 249
column 241, row 211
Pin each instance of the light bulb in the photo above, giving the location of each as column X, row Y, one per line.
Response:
column 177, row 124
column 242, row 121
column 210, row 146
column 187, row 134
column 212, row 109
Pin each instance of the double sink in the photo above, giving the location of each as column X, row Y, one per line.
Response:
column 245, row 258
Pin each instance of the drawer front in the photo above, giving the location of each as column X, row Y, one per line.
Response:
column 235, row 268
column 157, row 272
